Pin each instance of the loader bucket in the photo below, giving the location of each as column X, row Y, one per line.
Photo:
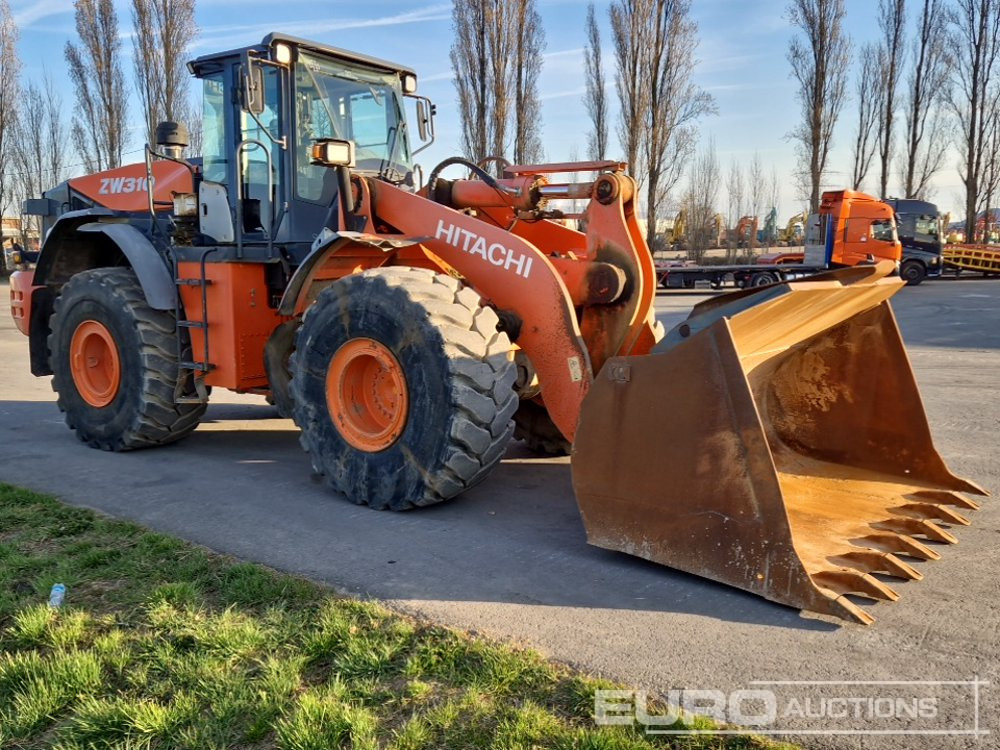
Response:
column 775, row 441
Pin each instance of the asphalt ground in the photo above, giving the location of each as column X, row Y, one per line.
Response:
column 509, row 558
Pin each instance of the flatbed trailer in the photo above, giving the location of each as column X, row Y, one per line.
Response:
column 742, row 275
column 975, row 258
column 850, row 229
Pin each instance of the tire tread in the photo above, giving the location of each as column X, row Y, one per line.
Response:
column 481, row 374
column 159, row 420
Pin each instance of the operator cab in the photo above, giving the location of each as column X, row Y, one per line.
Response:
column 264, row 109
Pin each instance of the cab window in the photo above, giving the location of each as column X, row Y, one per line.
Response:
column 883, row 230
column 334, row 99
column 926, row 228
column 255, row 156
column 213, row 129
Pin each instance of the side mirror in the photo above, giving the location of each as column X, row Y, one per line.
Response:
column 331, row 152
column 422, row 119
column 253, row 88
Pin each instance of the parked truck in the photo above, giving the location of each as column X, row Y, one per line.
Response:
column 921, row 232
column 920, row 229
column 850, row 228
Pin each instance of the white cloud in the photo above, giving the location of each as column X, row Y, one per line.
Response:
column 562, row 94
column 217, row 37
column 25, row 14
column 576, row 51
column 446, row 76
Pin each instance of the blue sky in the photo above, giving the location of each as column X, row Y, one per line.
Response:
column 741, row 53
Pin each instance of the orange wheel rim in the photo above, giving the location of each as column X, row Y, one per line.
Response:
column 95, row 364
column 366, row 394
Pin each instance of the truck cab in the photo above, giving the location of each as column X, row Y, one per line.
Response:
column 851, row 228
column 920, row 232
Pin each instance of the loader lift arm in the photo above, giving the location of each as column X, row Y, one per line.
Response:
column 539, row 272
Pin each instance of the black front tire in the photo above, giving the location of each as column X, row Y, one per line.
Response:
column 913, row 272
column 459, row 377
column 142, row 413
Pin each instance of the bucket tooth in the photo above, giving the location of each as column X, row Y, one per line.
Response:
column 854, row 582
column 947, row 498
column 844, row 608
column 916, row 526
column 931, row 511
column 871, row 561
column 900, row 544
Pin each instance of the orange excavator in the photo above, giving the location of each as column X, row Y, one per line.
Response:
column 772, row 441
column 746, row 231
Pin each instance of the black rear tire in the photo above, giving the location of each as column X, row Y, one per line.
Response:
column 764, row 279
column 913, row 272
column 459, row 378
column 142, row 413
column 540, row 435
column 277, row 354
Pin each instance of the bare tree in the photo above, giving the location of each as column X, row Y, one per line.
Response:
column 38, row 156
column 756, row 190
column 737, row 204
column 496, row 64
column 991, row 171
column 500, row 80
column 195, row 128
column 774, row 188
column 655, row 43
column 927, row 90
column 595, row 99
column 756, row 185
column 471, row 65
column 10, row 69
column 891, row 22
column 867, row 90
column 700, row 200
column 529, row 43
column 95, row 70
column 675, row 101
column 974, row 97
column 819, row 65
column 163, row 32
column 774, row 200
column 630, row 32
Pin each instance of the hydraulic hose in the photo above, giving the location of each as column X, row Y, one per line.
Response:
column 481, row 173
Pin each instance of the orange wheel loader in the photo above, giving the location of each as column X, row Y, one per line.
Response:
column 773, row 441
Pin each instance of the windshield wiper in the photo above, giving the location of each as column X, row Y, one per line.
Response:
column 390, row 156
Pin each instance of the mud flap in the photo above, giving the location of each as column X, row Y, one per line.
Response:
column 775, row 442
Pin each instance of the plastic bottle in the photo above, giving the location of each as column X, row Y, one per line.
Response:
column 57, row 594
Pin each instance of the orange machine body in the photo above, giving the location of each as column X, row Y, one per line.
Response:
column 21, row 289
column 125, row 188
column 239, row 319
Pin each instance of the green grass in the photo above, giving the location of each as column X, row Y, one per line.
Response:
column 161, row 644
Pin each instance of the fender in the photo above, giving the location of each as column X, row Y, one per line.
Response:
column 370, row 251
column 66, row 253
column 80, row 241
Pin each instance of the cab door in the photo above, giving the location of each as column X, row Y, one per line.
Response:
column 260, row 161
